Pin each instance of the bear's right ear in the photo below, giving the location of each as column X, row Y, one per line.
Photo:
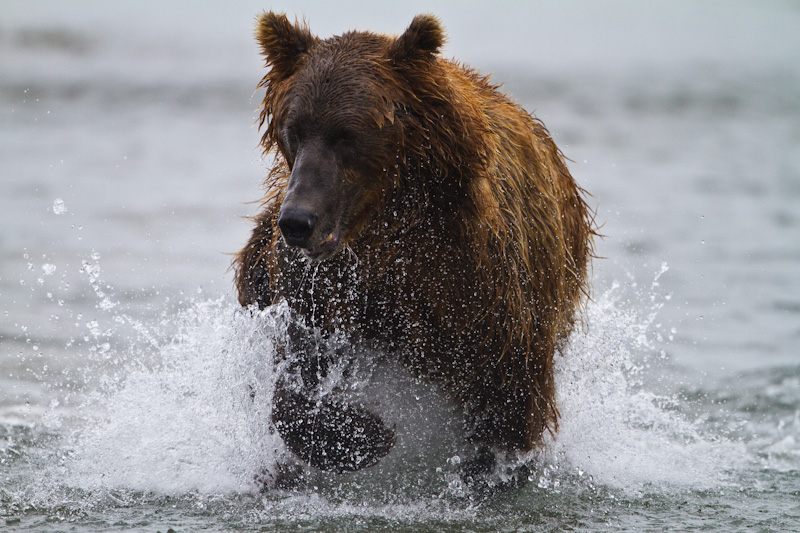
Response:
column 282, row 43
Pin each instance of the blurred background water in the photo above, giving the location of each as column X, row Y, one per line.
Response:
column 128, row 153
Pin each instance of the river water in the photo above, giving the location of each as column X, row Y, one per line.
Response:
column 128, row 153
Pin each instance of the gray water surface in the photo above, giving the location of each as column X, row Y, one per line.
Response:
column 128, row 153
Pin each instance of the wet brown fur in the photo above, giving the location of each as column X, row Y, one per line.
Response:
column 468, row 255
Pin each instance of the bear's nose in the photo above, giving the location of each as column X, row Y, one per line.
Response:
column 297, row 225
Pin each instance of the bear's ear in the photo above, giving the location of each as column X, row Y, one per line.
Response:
column 422, row 40
column 282, row 43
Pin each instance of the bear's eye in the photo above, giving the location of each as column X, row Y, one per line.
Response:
column 289, row 140
column 341, row 138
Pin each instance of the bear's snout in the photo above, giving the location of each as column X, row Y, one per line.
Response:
column 297, row 225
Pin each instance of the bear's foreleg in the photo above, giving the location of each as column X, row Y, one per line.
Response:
column 321, row 428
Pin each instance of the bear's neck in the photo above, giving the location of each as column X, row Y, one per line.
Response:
column 426, row 199
column 435, row 185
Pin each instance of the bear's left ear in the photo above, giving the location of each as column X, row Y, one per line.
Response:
column 282, row 43
column 421, row 41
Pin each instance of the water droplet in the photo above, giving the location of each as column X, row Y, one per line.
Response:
column 59, row 208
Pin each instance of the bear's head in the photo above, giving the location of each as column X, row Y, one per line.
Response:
column 338, row 112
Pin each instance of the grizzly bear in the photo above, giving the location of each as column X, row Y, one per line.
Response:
column 413, row 206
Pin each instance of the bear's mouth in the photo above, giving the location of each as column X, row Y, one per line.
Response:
column 325, row 248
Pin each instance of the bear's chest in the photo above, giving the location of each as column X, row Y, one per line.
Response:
column 388, row 294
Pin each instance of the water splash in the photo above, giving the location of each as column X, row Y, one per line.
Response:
column 195, row 421
column 613, row 429
column 188, row 411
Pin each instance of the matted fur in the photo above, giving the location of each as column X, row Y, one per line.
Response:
column 468, row 256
